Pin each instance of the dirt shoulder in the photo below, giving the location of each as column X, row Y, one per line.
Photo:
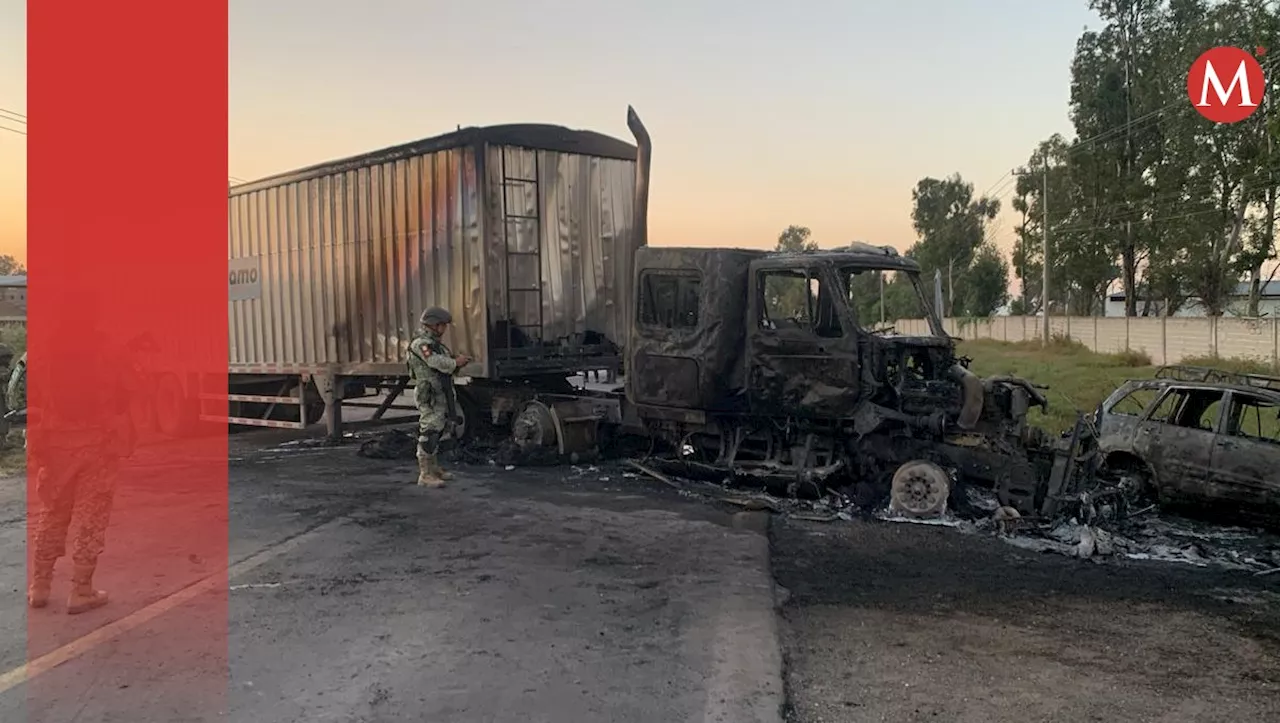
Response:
column 909, row 623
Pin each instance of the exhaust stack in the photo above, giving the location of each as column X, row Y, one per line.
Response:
column 644, row 154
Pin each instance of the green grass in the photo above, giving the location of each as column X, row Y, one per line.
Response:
column 1078, row 379
column 13, row 458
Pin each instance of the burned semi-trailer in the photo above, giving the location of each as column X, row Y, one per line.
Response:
column 526, row 233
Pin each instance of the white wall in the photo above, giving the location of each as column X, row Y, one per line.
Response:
column 1167, row 340
column 1266, row 307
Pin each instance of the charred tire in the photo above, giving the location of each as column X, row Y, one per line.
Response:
column 315, row 411
column 474, row 420
column 533, row 427
column 1132, row 475
column 920, row 489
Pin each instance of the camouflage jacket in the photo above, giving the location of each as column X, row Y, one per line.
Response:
column 16, row 394
column 431, row 361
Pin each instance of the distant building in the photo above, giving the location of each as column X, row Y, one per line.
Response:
column 13, row 297
column 1268, row 303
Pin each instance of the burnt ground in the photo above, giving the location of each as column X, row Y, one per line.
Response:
column 897, row 622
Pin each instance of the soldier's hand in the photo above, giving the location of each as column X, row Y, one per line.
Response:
column 462, row 360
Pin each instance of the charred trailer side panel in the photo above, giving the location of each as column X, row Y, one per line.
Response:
column 687, row 343
column 526, row 233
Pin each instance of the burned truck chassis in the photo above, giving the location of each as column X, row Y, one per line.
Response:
column 795, row 456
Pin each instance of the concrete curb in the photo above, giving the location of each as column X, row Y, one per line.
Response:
column 747, row 685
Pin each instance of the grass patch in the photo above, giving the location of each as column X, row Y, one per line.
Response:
column 13, row 458
column 1078, row 379
column 1234, row 364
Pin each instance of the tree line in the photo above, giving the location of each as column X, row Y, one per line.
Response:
column 1148, row 195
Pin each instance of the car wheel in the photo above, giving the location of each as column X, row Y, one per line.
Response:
column 1134, row 484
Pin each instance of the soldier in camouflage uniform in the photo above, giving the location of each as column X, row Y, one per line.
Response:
column 77, row 463
column 16, row 392
column 6, row 360
column 432, row 367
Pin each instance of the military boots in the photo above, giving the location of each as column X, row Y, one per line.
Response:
column 427, row 474
column 438, row 470
column 41, row 586
column 83, row 597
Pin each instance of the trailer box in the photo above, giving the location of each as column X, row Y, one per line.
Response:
column 525, row 233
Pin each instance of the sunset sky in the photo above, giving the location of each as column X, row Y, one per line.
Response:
column 818, row 113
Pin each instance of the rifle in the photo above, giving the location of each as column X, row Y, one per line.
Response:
column 450, row 393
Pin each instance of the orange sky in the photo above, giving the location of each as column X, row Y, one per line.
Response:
column 761, row 117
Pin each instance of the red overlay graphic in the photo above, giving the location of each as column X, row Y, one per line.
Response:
column 127, row 181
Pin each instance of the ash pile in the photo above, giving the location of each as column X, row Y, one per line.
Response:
column 1102, row 525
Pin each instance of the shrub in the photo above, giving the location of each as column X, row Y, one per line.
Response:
column 1131, row 358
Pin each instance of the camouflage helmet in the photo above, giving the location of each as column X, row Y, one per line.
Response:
column 436, row 315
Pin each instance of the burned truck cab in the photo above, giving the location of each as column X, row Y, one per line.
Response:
column 758, row 363
column 810, row 355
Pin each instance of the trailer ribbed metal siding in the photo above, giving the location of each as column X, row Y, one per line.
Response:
column 585, row 216
column 350, row 253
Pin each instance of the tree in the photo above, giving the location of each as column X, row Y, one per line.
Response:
column 952, row 226
column 790, row 295
column 1112, row 89
column 9, row 266
column 986, row 282
column 1149, row 192
column 795, row 239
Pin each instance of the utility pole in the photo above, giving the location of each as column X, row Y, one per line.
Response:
column 1044, row 282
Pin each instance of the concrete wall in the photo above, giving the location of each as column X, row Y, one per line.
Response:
column 1268, row 307
column 1166, row 340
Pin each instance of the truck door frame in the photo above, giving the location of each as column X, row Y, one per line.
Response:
column 796, row 371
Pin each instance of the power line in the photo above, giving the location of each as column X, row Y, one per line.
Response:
column 13, row 130
column 15, row 116
column 1139, row 214
column 1139, row 121
column 997, row 182
column 1179, row 217
column 1147, row 118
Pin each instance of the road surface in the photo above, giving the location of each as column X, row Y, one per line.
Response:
column 512, row 595
column 895, row 622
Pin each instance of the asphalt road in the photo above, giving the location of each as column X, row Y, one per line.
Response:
column 524, row 595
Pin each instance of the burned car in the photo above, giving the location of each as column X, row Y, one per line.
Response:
column 1199, row 439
